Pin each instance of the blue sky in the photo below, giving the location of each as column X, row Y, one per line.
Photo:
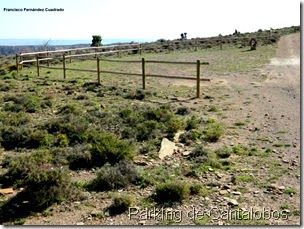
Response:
column 143, row 19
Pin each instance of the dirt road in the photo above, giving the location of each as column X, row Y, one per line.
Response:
column 273, row 111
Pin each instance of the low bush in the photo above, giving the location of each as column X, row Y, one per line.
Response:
column 173, row 125
column 24, row 137
column 15, row 119
column 147, row 130
column 183, row 111
column 224, row 152
column 107, row 148
column 118, row 176
column 120, row 204
column 43, row 183
column 79, row 157
column 171, row 192
column 48, row 186
column 139, row 95
column 199, row 155
column 70, row 128
column 28, row 103
column 192, row 123
column 190, row 136
column 70, row 109
column 213, row 132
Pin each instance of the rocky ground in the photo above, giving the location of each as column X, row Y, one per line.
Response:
column 263, row 109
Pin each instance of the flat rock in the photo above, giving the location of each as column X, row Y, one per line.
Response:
column 177, row 135
column 186, row 153
column 233, row 202
column 223, row 192
column 6, row 191
column 236, row 193
column 167, row 148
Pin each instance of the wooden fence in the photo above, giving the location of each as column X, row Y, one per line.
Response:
column 143, row 62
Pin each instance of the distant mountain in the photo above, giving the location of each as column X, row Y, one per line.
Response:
column 14, row 46
column 9, row 50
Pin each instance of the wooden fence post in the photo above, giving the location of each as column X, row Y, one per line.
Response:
column 98, row 70
column 20, row 60
column 64, row 71
column 17, row 64
column 48, row 61
column 140, row 47
column 37, row 63
column 198, row 79
column 143, row 73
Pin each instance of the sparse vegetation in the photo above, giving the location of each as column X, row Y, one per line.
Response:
column 171, row 192
column 81, row 145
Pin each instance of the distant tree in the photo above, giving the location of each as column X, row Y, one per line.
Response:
column 96, row 41
column 185, row 35
column 182, row 36
column 44, row 46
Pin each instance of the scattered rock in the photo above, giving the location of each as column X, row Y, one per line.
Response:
column 223, row 192
column 256, row 192
column 219, row 175
column 80, row 223
column 142, row 222
column 186, row 153
column 233, row 202
column 167, row 148
column 285, row 161
column 95, row 213
column 281, row 187
column 210, row 169
column 177, row 135
column 181, row 145
column 140, row 162
column 226, row 186
column 6, row 191
column 236, row 193
column 294, row 163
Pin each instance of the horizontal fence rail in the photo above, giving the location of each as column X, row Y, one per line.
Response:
column 66, row 55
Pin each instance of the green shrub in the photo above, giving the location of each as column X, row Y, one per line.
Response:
column 173, row 125
column 70, row 109
column 190, row 136
column 15, row 119
column 22, row 137
column 72, row 126
column 171, row 192
column 48, row 186
column 107, row 148
column 28, row 103
column 192, row 123
column 79, row 157
column 195, row 189
column 183, row 111
column 147, row 130
column 199, row 155
column 43, row 183
column 139, row 95
column 120, row 204
column 118, row 176
column 224, row 152
column 213, row 132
